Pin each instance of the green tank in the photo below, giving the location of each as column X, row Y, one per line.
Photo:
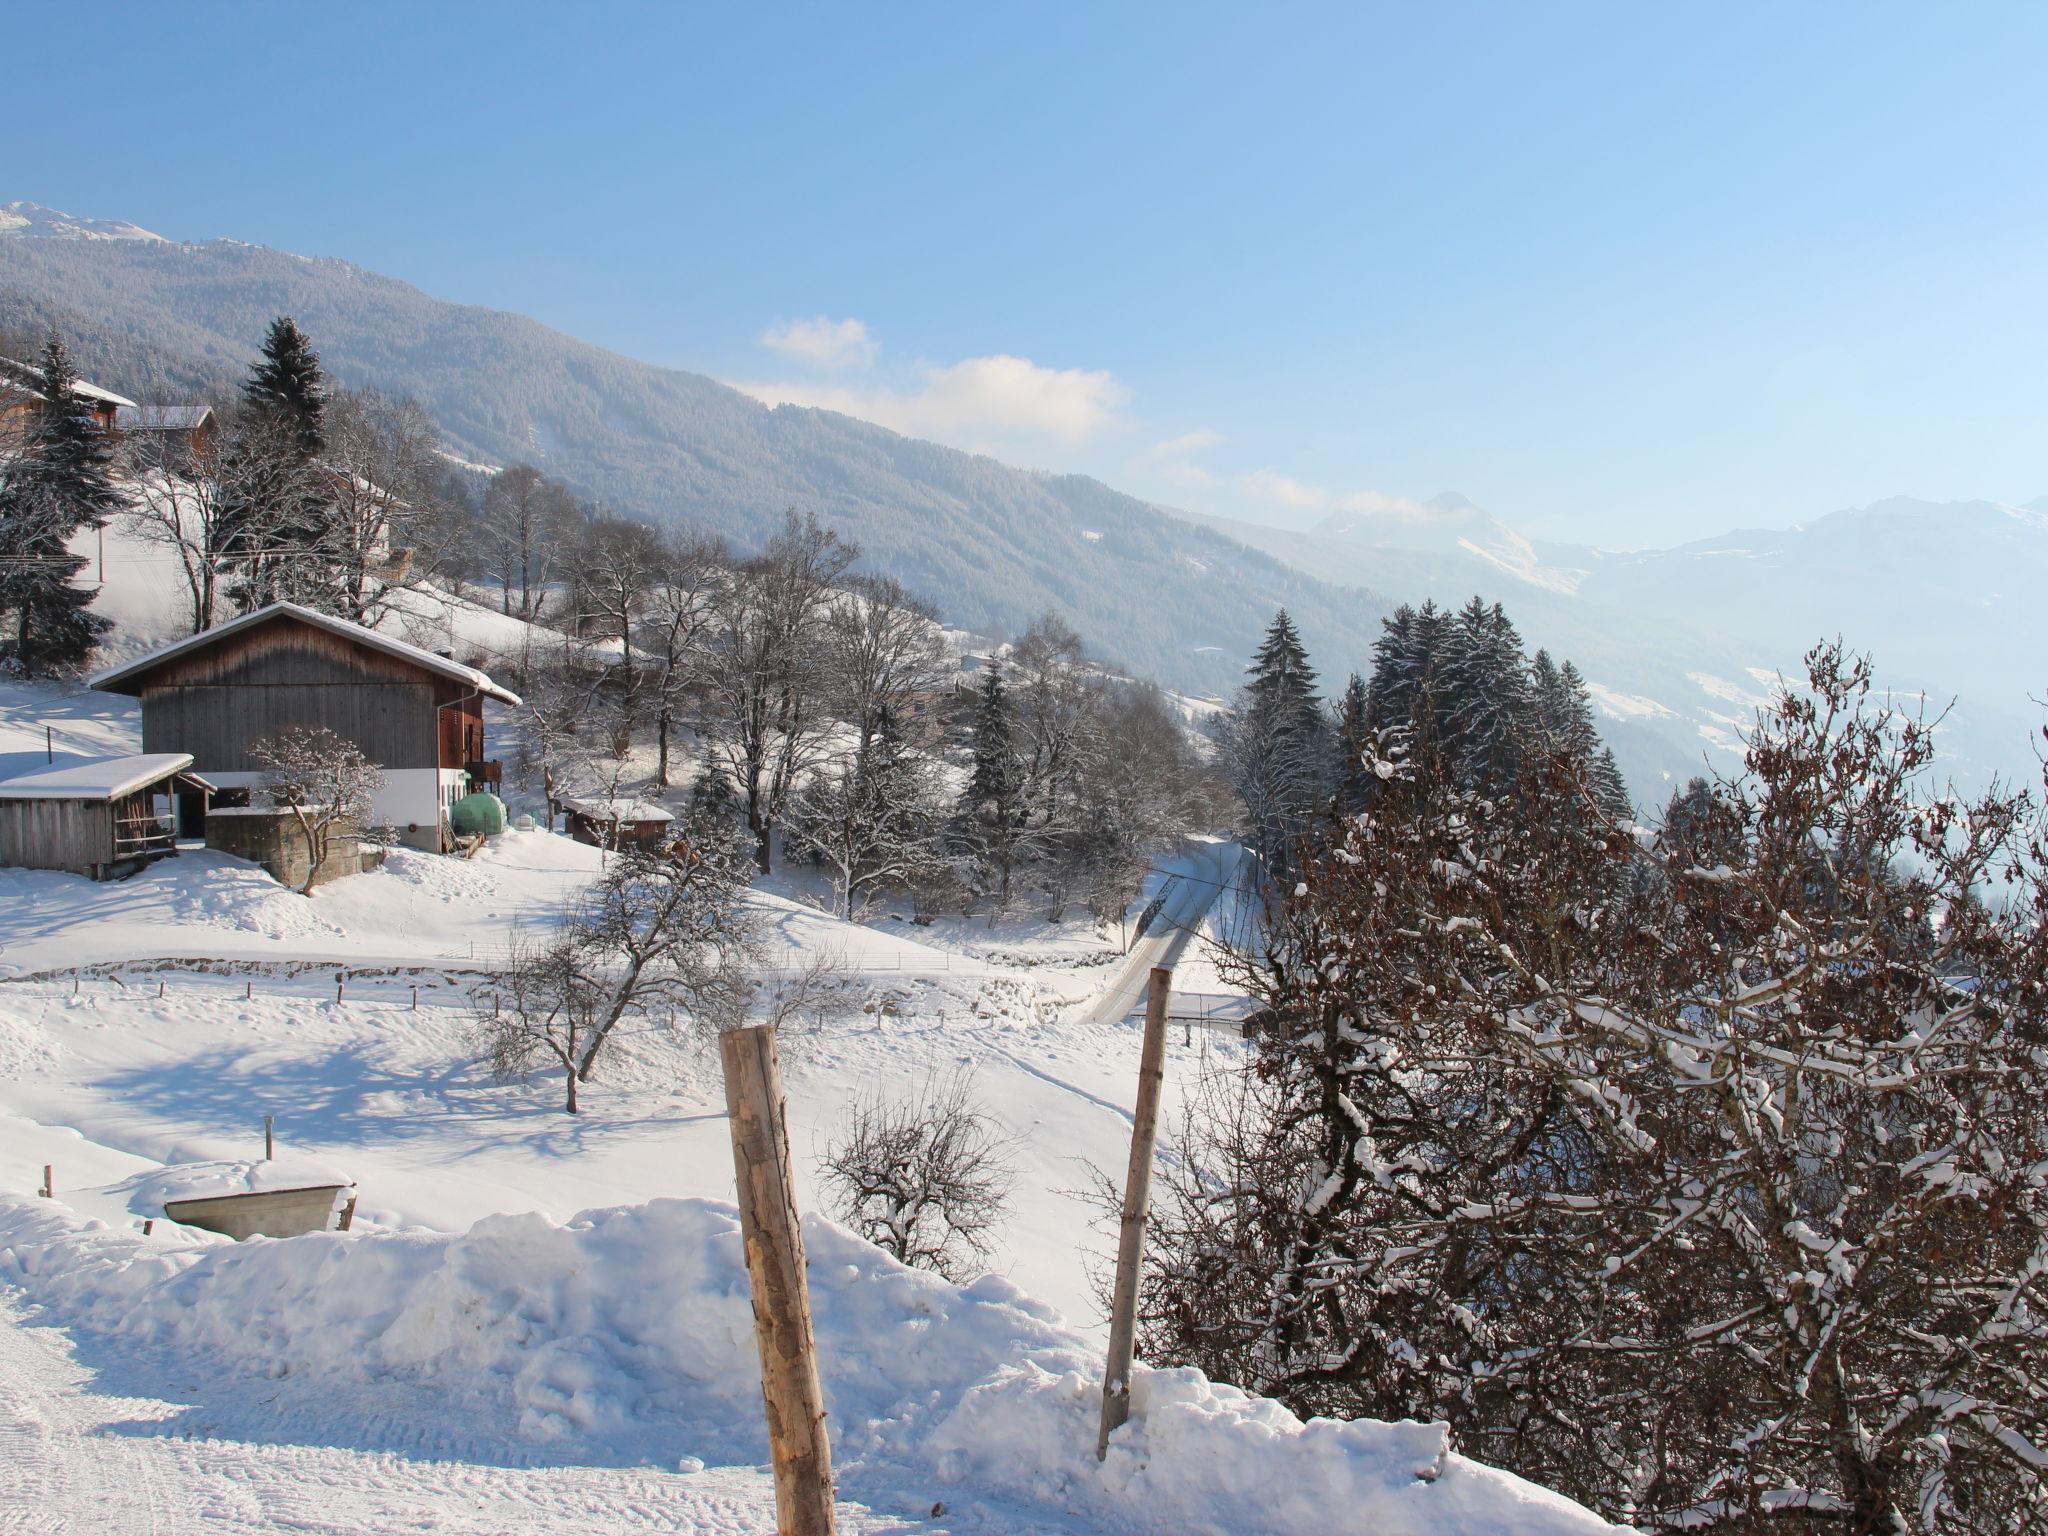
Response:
column 478, row 813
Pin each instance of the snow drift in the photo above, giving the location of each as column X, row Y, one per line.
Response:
column 629, row 1330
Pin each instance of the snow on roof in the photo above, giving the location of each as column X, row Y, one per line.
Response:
column 161, row 418
column 29, row 379
column 95, row 778
column 111, row 680
column 619, row 810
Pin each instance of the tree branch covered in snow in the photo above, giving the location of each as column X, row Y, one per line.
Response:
column 1701, row 1176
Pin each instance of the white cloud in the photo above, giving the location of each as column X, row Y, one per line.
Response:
column 982, row 403
column 823, row 343
column 1274, row 489
column 1197, row 441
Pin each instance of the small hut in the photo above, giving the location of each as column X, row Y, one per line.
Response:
column 618, row 823
column 97, row 816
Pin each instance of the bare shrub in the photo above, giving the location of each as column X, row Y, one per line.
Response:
column 925, row 1178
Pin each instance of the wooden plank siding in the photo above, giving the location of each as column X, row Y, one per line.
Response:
column 73, row 835
column 217, row 701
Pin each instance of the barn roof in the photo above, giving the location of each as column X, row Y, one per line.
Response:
column 29, row 380
column 98, row 778
column 126, row 678
column 161, row 418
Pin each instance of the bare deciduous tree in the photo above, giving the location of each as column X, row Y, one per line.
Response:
column 770, row 682
column 661, row 937
column 324, row 780
column 925, row 1178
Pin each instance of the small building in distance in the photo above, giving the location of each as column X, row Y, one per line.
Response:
column 104, row 817
column 21, row 394
column 188, row 426
column 417, row 715
column 618, row 823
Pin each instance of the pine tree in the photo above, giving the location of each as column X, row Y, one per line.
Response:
column 992, row 804
column 1281, row 678
column 288, row 383
column 1354, row 741
column 58, row 484
column 1486, row 699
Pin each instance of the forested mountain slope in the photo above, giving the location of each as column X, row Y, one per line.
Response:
column 993, row 545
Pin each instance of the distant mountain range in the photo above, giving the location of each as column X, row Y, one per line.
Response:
column 1680, row 644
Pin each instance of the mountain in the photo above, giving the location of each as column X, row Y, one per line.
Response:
column 1682, row 645
column 33, row 219
column 994, row 546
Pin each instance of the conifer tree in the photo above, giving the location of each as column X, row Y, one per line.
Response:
column 992, row 807
column 1354, row 735
column 58, row 484
column 289, row 384
column 1281, row 677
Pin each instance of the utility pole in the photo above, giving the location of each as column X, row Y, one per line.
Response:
column 1130, row 1247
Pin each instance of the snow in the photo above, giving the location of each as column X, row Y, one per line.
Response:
column 148, row 1193
column 90, row 778
column 625, row 1335
column 619, row 810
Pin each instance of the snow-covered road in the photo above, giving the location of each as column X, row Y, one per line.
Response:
column 1215, row 867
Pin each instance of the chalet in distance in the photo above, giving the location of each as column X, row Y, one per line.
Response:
column 418, row 716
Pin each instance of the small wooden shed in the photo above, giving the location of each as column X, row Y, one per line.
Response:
column 94, row 816
column 618, row 823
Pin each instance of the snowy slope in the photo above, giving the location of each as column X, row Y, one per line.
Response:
column 625, row 1336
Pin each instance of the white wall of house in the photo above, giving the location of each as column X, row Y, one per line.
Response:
column 415, row 801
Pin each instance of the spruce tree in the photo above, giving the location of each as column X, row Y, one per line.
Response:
column 1354, row 741
column 993, row 793
column 287, row 383
column 58, row 484
column 1281, row 677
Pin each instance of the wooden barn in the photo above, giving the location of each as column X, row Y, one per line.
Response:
column 98, row 816
column 417, row 715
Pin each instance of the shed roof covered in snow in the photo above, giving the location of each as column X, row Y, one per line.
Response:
column 129, row 677
column 161, row 418
column 619, row 810
column 28, row 378
column 99, row 778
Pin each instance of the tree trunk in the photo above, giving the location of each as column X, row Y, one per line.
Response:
column 570, row 1105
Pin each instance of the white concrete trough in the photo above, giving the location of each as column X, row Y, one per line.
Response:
column 273, row 1198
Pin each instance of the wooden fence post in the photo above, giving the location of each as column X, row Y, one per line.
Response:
column 269, row 1146
column 1130, row 1246
column 48, row 1190
column 795, row 1402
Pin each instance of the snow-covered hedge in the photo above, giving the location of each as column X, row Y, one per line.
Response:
column 630, row 1328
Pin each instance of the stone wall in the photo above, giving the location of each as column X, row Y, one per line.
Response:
column 275, row 840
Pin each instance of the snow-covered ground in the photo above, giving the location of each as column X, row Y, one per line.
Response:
column 475, row 1355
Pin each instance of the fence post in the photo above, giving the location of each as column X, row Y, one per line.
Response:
column 48, row 1191
column 790, row 1391
column 1130, row 1247
column 269, row 1145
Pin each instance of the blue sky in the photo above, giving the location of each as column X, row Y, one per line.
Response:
column 1628, row 274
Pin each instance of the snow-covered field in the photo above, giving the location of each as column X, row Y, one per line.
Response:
column 540, row 1322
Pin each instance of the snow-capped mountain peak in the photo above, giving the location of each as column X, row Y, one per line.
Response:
column 26, row 218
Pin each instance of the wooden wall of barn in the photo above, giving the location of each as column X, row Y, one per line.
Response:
column 74, row 835
column 216, row 702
